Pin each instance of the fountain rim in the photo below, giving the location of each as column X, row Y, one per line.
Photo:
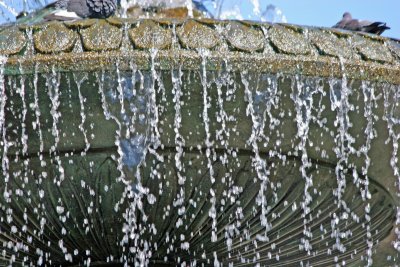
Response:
column 91, row 45
column 191, row 60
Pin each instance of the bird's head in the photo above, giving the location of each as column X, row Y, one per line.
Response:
column 347, row 15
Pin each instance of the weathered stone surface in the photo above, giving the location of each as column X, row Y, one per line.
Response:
column 372, row 50
column 150, row 35
column 288, row 41
column 395, row 47
column 101, row 37
column 196, row 35
column 55, row 38
column 81, row 23
column 119, row 22
column 11, row 41
column 331, row 45
column 244, row 38
column 165, row 22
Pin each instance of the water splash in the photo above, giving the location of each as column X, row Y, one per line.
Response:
column 79, row 79
column 179, row 201
column 53, row 86
column 273, row 14
column 250, row 193
column 3, row 99
column 391, row 95
column 210, row 153
column 36, row 124
column 4, row 143
column 339, row 95
column 258, row 163
column 303, row 96
column 370, row 100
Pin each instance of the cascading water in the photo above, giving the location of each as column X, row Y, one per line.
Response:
column 3, row 101
column 130, row 102
column 391, row 96
column 195, row 161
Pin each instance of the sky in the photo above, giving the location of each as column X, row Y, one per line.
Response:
column 302, row 12
column 327, row 13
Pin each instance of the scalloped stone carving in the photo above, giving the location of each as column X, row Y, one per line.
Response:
column 101, row 37
column 331, row 45
column 82, row 23
column 395, row 47
column 55, row 38
column 150, row 35
column 11, row 41
column 288, row 41
column 195, row 35
column 243, row 37
column 114, row 34
column 372, row 50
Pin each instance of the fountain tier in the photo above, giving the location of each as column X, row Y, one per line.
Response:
column 198, row 143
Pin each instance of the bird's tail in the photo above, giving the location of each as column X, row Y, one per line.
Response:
column 377, row 28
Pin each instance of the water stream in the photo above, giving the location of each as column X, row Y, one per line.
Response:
column 193, row 167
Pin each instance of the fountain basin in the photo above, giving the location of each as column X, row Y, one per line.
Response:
column 102, row 165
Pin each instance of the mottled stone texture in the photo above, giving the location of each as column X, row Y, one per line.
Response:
column 331, row 45
column 12, row 41
column 149, row 34
column 243, row 37
column 288, row 41
column 195, row 35
column 101, row 37
column 374, row 50
column 276, row 48
column 55, row 38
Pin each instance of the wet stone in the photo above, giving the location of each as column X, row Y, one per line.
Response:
column 102, row 36
column 331, row 45
column 33, row 27
column 341, row 33
column 12, row 41
column 372, row 50
column 150, row 35
column 293, row 27
column 120, row 22
column 394, row 47
column 209, row 22
column 244, row 38
column 82, row 23
column 374, row 37
column 55, row 38
column 196, row 35
column 168, row 22
column 289, row 41
column 259, row 24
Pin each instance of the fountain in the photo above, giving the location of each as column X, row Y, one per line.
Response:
column 197, row 142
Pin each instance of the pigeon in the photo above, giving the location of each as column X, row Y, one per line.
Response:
column 348, row 23
column 71, row 10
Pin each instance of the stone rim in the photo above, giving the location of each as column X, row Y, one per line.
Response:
column 382, row 63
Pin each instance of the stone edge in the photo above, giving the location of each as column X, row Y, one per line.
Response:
column 316, row 55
